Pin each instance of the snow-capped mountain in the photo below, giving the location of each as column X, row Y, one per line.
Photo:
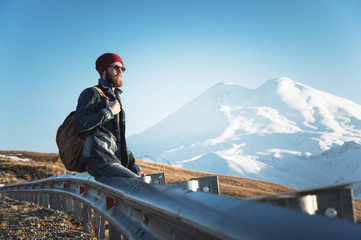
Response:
column 283, row 132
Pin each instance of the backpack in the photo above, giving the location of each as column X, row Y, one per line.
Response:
column 70, row 145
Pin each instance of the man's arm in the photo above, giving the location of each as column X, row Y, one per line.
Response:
column 134, row 167
column 91, row 111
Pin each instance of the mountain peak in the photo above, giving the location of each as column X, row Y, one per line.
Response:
column 286, row 79
column 225, row 83
column 270, row 85
column 220, row 86
column 275, row 83
column 339, row 150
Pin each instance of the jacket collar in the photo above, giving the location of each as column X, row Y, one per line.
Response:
column 108, row 86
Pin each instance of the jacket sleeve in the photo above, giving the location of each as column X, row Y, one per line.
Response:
column 90, row 111
column 132, row 165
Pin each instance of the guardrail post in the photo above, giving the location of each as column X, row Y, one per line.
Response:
column 205, row 184
column 27, row 196
column 87, row 218
column 157, row 178
column 22, row 196
column 333, row 203
column 99, row 226
column 14, row 195
column 191, row 185
column 31, row 197
column 46, row 200
column 35, row 198
column 41, row 199
column 57, row 202
column 336, row 204
column 61, row 202
column 77, row 211
column 53, row 201
column 208, row 184
column 114, row 234
column 68, row 205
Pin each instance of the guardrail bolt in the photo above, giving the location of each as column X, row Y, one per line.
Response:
column 205, row 189
column 145, row 219
column 331, row 212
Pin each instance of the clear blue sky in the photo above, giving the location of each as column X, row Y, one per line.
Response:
column 173, row 51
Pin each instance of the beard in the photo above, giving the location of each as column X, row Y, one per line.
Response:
column 116, row 80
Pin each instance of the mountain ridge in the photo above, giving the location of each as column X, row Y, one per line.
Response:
column 278, row 127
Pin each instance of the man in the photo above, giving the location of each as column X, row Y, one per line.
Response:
column 105, row 152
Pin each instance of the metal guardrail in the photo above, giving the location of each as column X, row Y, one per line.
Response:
column 136, row 209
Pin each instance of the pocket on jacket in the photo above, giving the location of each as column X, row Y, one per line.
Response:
column 106, row 141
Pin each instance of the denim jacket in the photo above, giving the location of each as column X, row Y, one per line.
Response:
column 105, row 143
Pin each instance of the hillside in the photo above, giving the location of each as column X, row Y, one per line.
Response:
column 43, row 165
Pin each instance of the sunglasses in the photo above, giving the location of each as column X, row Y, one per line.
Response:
column 117, row 68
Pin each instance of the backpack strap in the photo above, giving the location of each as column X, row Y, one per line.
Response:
column 101, row 93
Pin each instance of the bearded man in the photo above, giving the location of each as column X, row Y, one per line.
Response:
column 105, row 152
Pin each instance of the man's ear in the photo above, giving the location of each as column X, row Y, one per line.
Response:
column 104, row 74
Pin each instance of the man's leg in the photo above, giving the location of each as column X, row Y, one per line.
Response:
column 115, row 170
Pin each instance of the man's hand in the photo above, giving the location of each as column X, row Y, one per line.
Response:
column 114, row 106
column 142, row 174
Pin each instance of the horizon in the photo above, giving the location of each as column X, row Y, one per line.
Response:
column 173, row 52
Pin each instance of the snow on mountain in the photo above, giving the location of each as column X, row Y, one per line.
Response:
column 283, row 132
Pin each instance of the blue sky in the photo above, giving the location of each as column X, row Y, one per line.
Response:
column 173, row 51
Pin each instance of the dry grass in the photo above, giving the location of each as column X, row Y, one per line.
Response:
column 42, row 165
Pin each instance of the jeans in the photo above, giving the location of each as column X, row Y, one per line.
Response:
column 113, row 170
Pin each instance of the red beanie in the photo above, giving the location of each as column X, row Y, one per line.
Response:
column 105, row 60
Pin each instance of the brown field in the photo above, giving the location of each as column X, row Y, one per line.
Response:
column 44, row 165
